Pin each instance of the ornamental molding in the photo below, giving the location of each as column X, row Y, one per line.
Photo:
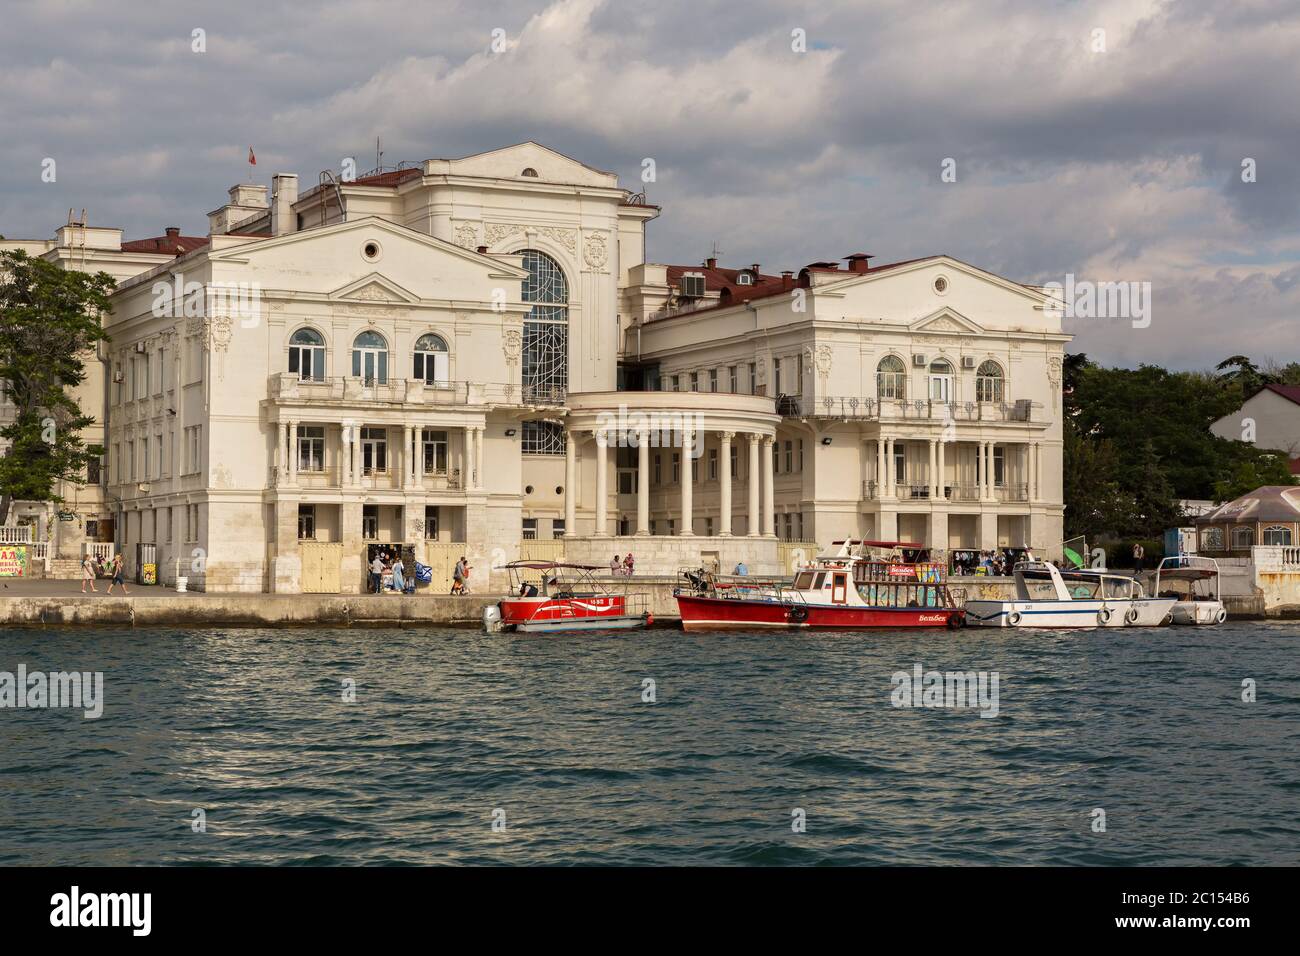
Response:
column 595, row 249
column 465, row 235
column 495, row 232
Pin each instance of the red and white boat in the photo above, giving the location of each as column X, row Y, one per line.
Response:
column 857, row 585
column 546, row 596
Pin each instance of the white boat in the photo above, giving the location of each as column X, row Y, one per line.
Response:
column 1048, row 597
column 1193, row 583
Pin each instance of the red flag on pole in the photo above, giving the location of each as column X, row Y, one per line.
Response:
column 252, row 160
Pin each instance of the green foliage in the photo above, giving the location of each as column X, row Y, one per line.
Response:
column 49, row 321
column 1137, row 440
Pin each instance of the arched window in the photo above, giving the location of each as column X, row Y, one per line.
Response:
column 1278, row 534
column 940, row 381
column 1242, row 537
column 307, row 355
column 546, row 327
column 988, row 382
column 431, row 360
column 1211, row 539
column 370, row 358
column 891, row 375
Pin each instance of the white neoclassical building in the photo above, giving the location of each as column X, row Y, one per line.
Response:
column 472, row 356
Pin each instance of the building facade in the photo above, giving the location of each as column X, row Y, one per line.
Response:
column 473, row 357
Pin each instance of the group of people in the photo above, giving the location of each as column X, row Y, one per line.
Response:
column 984, row 562
column 624, row 566
column 95, row 566
column 385, row 562
column 460, row 576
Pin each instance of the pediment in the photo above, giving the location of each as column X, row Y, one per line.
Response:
column 374, row 288
column 948, row 321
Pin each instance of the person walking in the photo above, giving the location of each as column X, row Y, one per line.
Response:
column 1138, row 554
column 399, row 582
column 377, row 575
column 117, row 574
column 88, row 574
column 458, row 577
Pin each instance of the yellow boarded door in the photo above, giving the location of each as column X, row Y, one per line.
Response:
column 320, row 566
column 442, row 556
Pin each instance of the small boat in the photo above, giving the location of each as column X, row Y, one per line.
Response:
column 857, row 585
column 549, row 596
column 1049, row 597
column 1194, row 584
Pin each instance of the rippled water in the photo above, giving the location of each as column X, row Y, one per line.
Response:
column 452, row 725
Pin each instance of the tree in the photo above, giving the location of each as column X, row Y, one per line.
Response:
column 49, row 320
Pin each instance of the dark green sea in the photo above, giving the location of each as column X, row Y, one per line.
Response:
column 452, row 730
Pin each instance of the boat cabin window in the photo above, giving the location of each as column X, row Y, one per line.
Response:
column 803, row 580
column 821, row 576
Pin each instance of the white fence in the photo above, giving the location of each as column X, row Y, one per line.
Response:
column 100, row 549
column 16, row 534
column 1273, row 557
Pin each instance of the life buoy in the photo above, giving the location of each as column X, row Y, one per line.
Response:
column 798, row 614
column 1013, row 618
column 1103, row 616
column 1132, row 616
column 1220, row 617
column 955, row 621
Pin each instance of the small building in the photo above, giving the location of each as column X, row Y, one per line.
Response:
column 1268, row 419
column 1266, row 516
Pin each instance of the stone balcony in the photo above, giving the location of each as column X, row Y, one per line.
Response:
column 289, row 388
column 854, row 408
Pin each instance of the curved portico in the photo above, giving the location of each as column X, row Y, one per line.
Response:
column 691, row 437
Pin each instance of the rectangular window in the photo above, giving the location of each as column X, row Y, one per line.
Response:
column 713, row 464
column 158, row 444
column 677, row 467
column 999, row 466
column 776, row 376
column 311, row 448
column 530, row 529
column 557, row 527
column 731, row 378
column 543, row 438
column 306, row 522
column 789, row 456
column 431, row 522
column 735, row 462
column 193, row 449
column 801, row 454
column 672, row 383
column 434, row 450
column 695, row 381
column 144, row 459
column 713, row 380
column 374, row 451
column 370, row 522
column 658, row 470
column 92, row 476
column 130, row 461
column 753, row 379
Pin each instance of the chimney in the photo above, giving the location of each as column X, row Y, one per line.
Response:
column 173, row 232
column 710, row 263
column 284, row 193
column 858, row 261
column 754, row 267
column 787, row 280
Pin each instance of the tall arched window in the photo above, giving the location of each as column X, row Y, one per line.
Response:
column 1278, row 534
column 546, row 327
column 891, row 374
column 940, row 381
column 988, row 382
column 370, row 358
column 1243, row 537
column 431, row 360
column 307, row 355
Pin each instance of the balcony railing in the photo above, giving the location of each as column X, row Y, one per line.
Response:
column 904, row 491
column 390, row 480
column 16, row 534
column 287, row 386
column 844, row 407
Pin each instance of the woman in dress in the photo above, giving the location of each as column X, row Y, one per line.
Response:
column 88, row 574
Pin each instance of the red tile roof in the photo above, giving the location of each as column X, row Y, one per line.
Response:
column 172, row 244
column 393, row 178
column 1289, row 392
column 725, row 282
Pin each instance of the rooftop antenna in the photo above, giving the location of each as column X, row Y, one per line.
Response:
column 379, row 157
column 716, row 253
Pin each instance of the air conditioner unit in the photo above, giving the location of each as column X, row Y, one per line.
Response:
column 918, row 360
column 692, row 286
column 968, row 361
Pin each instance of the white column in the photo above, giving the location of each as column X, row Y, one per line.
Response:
column 932, row 478
column 942, row 466
column 293, row 452
column 1036, row 471
column 769, row 492
column 418, row 451
column 724, row 483
column 282, row 450
column 570, row 484
column 688, row 484
column 755, row 473
column 407, row 465
column 891, row 473
column 643, row 483
column 880, row 468
column 481, row 433
column 602, row 488
column 356, row 454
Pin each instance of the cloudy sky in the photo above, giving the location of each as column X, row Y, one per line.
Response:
column 1112, row 156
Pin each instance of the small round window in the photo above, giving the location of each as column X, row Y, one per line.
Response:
column 371, row 251
column 940, row 285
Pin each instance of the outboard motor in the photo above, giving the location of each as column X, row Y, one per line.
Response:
column 492, row 619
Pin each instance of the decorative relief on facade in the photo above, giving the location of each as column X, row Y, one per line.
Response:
column 495, row 232
column 374, row 293
column 511, row 345
column 466, row 235
column 1054, row 377
column 822, row 360
column 595, row 249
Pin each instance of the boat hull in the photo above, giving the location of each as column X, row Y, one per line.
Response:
column 706, row 613
column 584, row 613
column 1198, row 612
column 1146, row 612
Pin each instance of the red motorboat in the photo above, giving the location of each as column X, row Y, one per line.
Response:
column 858, row 585
column 550, row 596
